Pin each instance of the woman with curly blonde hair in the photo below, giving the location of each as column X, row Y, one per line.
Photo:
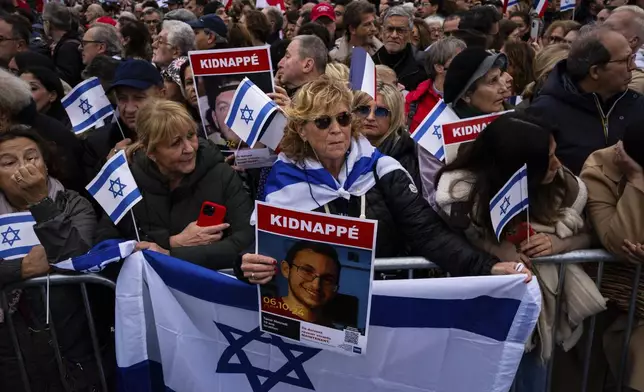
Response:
column 327, row 165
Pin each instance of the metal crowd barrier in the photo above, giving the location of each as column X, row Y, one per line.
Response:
column 57, row 280
column 410, row 264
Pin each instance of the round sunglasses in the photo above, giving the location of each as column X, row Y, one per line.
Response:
column 379, row 111
column 323, row 122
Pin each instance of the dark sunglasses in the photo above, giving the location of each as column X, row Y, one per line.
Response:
column 324, row 122
column 365, row 111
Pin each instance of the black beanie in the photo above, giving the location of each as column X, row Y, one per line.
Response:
column 461, row 69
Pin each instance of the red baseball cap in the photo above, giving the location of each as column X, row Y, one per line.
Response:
column 322, row 9
column 106, row 20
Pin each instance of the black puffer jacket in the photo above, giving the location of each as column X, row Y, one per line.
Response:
column 68, row 59
column 577, row 118
column 163, row 212
column 410, row 73
column 400, row 146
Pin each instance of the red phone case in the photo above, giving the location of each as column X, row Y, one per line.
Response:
column 216, row 218
column 520, row 233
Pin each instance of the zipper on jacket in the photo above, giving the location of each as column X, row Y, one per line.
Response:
column 605, row 117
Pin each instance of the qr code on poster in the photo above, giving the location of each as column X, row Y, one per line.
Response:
column 351, row 336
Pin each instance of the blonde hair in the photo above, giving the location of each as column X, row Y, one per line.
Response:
column 159, row 121
column 337, row 71
column 566, row 25
column 394, row 100
column 382, row 72
column 544, row 63
column 312, row 100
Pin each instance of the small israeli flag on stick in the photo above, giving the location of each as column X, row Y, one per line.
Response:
column 510, row 200
column 18, row 236
column 429, row 135
column 86, row 105
column 250, row 114
column 362, row 74
column 114, row 187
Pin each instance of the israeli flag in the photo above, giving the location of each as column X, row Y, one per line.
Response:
column 428, row 134
column 250, row 113
column 566, row 5
column 114, row 187
column 362, row 74
column 181, row 327
column 510, row 200
column 18, row 236
column 102, row 254
column 511, row 3
column 86, row 105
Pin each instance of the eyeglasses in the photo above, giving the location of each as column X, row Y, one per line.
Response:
column 554, row 39
column 152, row 22
column 399, row 30
column 628, row 60
column 87, row 42
column 308, row 274
column 379, row 111
column 324, row 122
column 2, row 39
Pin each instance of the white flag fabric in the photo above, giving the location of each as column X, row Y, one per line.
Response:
column 251, row 113
column 566, row 5
column 428, row 134
column 18, row 236
column 510, row 200
column 114, row 187
column 183, row 328
column 362, row 74
column 86, row 105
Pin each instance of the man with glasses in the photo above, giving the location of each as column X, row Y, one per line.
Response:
column 312, row 271
column 586, row 97
column 100, row 39
column 397, row 52
column 14, row 37
column 152, row 18
column 425, row 8
column 629, row 21
column 359, row 19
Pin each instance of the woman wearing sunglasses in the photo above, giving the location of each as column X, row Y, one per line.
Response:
column 317, row 170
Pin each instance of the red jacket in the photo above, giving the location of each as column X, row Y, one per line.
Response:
column 424, row 98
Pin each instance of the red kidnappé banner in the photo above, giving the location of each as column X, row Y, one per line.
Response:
column 230, row 61
column 464, row 131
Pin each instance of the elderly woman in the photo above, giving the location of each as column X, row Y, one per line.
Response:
column 65, row 224
column 321, row 145
column 46, row 91
column 175, row 39
column 475, row 83
column 18, row 107
column 176, row 173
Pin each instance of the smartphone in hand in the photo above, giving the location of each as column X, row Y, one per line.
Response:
column 211, row 214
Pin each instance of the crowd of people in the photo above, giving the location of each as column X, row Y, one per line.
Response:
column 574, row 86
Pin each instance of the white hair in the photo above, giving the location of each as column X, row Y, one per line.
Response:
column 16, row 93
column 434, row 19
column 399, row 10
column 180, row 35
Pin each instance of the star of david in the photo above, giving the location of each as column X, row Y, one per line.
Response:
column 293, row 365
column 85, row 106
column 10, row 240
column 116, row 187
column 505, row 205
column 437, row 132
column 246, row 114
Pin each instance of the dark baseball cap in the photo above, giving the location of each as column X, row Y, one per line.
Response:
column 138, row 74
column 212, row 23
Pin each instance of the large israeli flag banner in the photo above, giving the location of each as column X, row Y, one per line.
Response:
column 511, row 199
column 18, row 236
column 114, row 187
column 86, row 105
column 428, row 134
column 182, row 328
column 251, row 114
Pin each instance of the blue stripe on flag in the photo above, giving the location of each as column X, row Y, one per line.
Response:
column 464, row 314
column 430, row 121
column 81, row 90
column 511, row 214
column 507, row 187
column 93, row 118
column 104, row 251
column 145, row 376
column 254, row 130
column 363, row 166
column 243, row 89
column 22, row 250
column 125, row 204
column 284, row 174
column 120, row 160
column 356, row 73
column 440, row 153
column 8, row 220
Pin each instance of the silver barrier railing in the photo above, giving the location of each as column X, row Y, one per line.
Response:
column 410, row 264
column 57, row 280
